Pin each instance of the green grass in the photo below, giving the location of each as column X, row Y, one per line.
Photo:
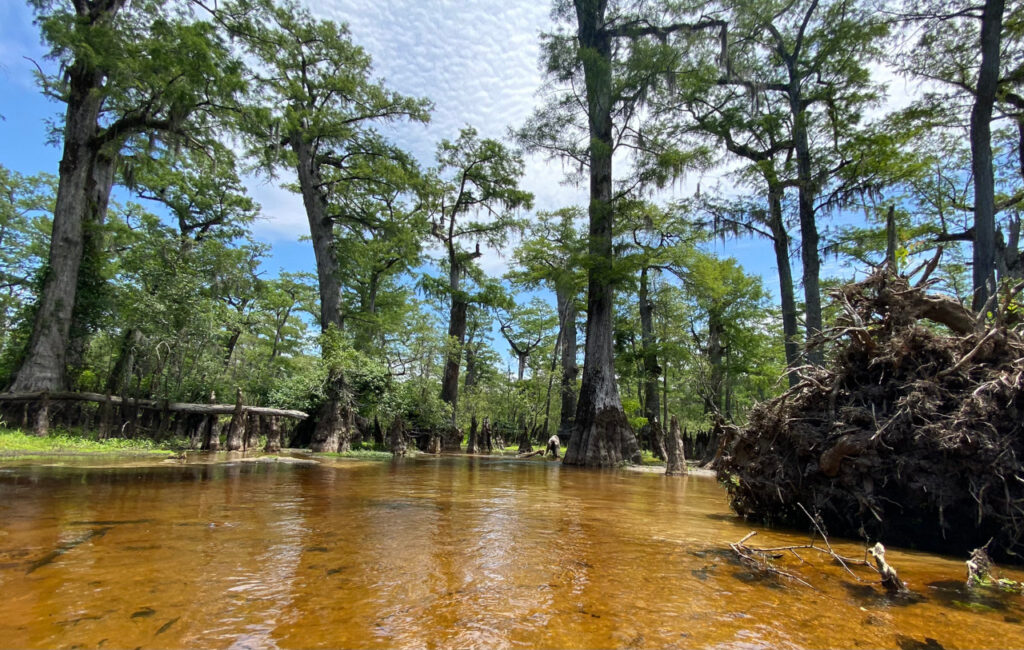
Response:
column 14, row 442
column 367, row 451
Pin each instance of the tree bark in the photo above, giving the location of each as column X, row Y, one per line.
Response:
column 456, row 341
column 273, row 435
column 396, row 437
column 486, row 438
column 808, row 225
column 125, row 364
column 472, row 447
column 44, row 367
column 570, row 370
column 787, row 299
column 675, row 460
column 321, row 231
column 236, row 429
column 716, row 354
column 602, row 436
column 981, row 154
column 652, row 407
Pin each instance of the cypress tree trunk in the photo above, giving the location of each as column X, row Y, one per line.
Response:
column 652, row 407
column 567, row 419
column 321, row 231
column 83, row 189
column 273, row 436
column 675, row 460
column 981, row 154
column 602, row 436
column 808, row 225
column 715, row 358
column 780, row 241
column 456, row 339
column 236, row 429
column 396, row 437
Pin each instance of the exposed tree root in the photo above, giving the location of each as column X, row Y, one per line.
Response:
column 913, row 434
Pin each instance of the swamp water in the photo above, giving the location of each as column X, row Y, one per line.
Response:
column 435, row 552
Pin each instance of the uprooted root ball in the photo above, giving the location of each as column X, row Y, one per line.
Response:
column 915, row 435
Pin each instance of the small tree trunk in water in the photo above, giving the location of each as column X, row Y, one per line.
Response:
column 567, row 419
column 675, row 460
column 981, row 154
column 252, row 431
column 486, row 440
column 472, row 447
column 42, row 423
column 211, row 433
column 396, row 437
column 236, row 429
column 450, row 381
column 652, row 370
column 434, row 443
column 524, row 441
column 273, row 436
column 602, row 436
column 378, row 434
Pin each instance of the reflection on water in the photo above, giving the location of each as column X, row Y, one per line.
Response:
column 448, row 552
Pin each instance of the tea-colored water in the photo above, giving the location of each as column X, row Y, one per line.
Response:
column 434, row 552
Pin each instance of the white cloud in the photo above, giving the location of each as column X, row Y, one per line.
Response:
column 477, row 60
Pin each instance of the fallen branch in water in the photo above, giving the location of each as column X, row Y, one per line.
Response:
column 531, row 454
column 759, row 558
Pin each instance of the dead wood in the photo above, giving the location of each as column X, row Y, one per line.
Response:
column 175, row 407
column 890, row 580
column 912, row 433
column 763, row 559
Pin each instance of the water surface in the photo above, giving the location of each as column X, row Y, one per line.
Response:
column 436, row 552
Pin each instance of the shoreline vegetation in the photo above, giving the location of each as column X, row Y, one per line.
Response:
column 18, row 445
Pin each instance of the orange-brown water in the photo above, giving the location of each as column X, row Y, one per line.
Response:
column 430, row 552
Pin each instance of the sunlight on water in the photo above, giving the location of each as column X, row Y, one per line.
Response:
column 435, row 552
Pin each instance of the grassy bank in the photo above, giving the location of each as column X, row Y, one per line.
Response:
column 14, row 442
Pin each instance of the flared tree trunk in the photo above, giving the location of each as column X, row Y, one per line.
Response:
column 602, row 436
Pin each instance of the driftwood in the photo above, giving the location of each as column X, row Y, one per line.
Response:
column 173, row 407
column 760, row 559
